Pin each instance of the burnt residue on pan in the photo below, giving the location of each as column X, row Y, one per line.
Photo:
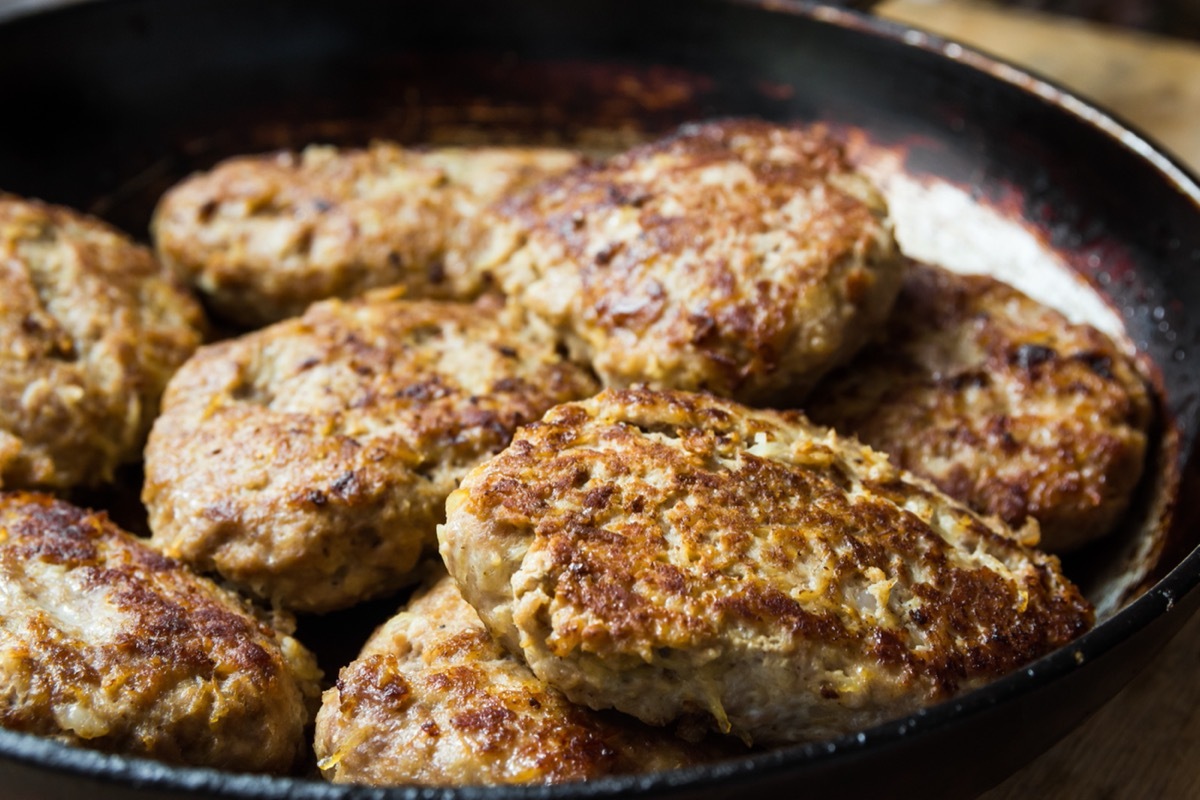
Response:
column 464, row 99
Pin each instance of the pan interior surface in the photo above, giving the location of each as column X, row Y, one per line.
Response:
column 986, row 169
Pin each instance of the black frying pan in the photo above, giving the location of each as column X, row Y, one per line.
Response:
column 105, row 104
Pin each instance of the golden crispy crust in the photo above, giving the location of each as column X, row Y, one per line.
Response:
column 1001, row 402
column 264, row 236
column 309, row 462
column 433, row 700
column 92, row 327
column 740, row 257
column 666, row 553
column 105, row 643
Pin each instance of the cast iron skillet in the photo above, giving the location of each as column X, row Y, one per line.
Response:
column 106, row 103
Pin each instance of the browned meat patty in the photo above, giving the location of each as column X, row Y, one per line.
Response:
column 309, row 462
column 739, row 257
column 665, row 553
column 92, row 327
column 433, row 700
column 106, row 644
column 262, row 237
column 1002, row 403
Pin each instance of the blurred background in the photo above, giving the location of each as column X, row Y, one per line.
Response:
column 1168, row 17
column 1180, row 18
column 1139, row 59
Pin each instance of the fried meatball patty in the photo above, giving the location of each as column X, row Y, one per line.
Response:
column 107, row 644
column 434, row 700
column 739, row 257
column 1001, row 402
column 92, row 327
column 309, row 462
column 666, row 553
column 262, row 237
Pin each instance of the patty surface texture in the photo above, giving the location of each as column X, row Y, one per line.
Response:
column 1000, row 401
column 107, row 644
column 262, row 237
column 434, row 700
column 739, row 257
column 309, row 462
column 666, row 553
column 91, row 328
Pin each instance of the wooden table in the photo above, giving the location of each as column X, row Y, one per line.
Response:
column 1146, row 742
